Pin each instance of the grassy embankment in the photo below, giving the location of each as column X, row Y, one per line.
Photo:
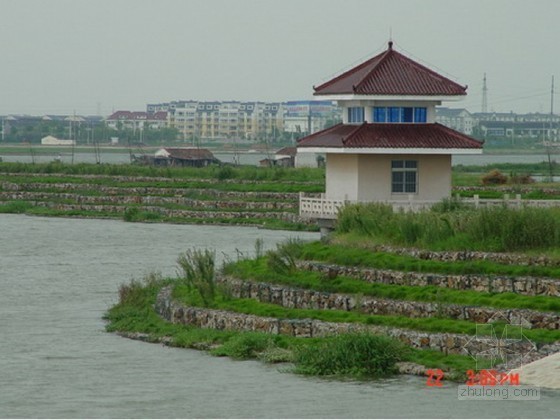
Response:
column 278, row 267
column 355, row 355
column 203, row 189
column 449, row 226
column 264, row 197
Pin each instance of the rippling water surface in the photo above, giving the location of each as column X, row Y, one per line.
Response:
column 58, row 276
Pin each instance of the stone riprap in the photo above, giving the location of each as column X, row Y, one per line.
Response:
column 147, row 200
column 290, row 297
column 175, row 312
column 104, row 209
column 157, row 191
column 509, row 189
column 151, row 179
column 453, row 256
column 525, row 285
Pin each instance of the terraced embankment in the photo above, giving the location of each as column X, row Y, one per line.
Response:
column 448, row 322
column 177, row 200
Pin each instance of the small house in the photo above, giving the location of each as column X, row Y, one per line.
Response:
column 388, row 148
column 184, row 156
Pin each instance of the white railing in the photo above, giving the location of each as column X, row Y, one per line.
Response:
column 323, row 208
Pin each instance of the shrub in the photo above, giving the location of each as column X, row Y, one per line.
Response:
column 360, row 355
column 245, row 346
column 198, row 273
column 520, row 179
column 494, row 177
column 15, row 207
column 225, row 172
column 283, row 259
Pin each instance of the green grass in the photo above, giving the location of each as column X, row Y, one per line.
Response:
column 258, row 270
column 253, row 186
column 247, row 172
column 353, row 253
column 453, row 226
column 441, row 325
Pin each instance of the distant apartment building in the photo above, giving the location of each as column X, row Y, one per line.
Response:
column 456, row 118
column 132, row 120
column 213, row 120
column 537, row 126
column 308, row 117
column 499, row 125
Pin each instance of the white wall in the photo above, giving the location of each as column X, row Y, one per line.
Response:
column 368, row 177
column 342, row 177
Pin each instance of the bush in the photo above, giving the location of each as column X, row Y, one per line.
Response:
column 225, row 172
column 246, row 346
column 198, row 273
column 283, row 259
column 520, row 179
column 15, row 207
column 494, row 177
column 359, row 355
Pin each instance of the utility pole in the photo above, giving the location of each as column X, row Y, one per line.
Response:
column 484, row 95
column 549, row 146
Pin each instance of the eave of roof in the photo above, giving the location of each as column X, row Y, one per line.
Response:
column 390, row 136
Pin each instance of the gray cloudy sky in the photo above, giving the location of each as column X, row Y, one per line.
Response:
column 61, row 56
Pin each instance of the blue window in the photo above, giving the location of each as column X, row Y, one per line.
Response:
column 356, row 114
column 407, row 115
column 420, row 115
column 395, row 114
column 379, row 114
column 404, row 176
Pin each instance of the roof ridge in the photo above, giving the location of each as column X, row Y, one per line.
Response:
column 323, row 131
column 375, row 67
column 353, row 132
column 345, row 73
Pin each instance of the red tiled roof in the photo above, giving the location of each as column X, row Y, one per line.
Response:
column 391, row 73
column 288, row 151
column 391, row 136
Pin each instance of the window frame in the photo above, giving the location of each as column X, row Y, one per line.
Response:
column 404, row 169
column 356, row 114
column 398, row 114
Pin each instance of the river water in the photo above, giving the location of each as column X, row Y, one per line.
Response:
column 58, row 277
column 246, row 158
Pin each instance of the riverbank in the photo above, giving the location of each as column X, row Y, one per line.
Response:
column 450, row 310
column 263, row 197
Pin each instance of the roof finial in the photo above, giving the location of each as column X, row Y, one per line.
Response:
column 390, row 38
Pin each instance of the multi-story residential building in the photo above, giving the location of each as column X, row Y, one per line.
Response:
column 456, row 118
column 510, row 125
column 307, row 117
column 210, row 120
column 137, row 120
column 501, row 124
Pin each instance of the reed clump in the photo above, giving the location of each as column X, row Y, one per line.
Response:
column 457, row 226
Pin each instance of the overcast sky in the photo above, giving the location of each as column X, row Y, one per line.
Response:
column 61, row 56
